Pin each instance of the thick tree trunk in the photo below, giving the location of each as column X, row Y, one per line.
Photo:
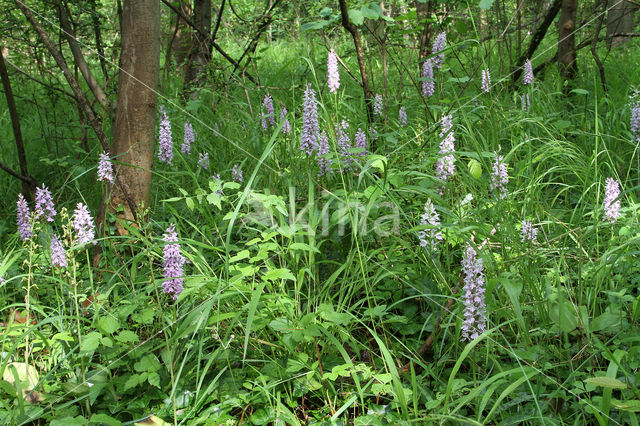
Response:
column 619, row 20
column 134, row 129
column 567, row 64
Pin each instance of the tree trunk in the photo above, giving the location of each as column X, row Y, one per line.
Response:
column 537, row 37
column 424, row 11
column 134, row 128
column 200, row 54
column 78, row 58
column 28, row 183
column 619, row 20
column 567, row 64
column 349, row 26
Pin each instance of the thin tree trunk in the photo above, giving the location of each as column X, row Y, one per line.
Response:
column 567, row 64
column 424, row 10
column 78, row 58
column 537, row 38
column 28, row 183
column 134, row 129
column 200, row 54
column 351, row 28
column 98, row 35
column 594, row 53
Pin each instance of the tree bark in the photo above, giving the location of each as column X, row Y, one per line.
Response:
column 619, row 20
column 351, row 28
column 424, row 11
column 28, row 183
column 134, row 128
column 200, row 53
column 567, row 64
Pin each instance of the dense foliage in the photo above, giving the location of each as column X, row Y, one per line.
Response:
column 469, row 254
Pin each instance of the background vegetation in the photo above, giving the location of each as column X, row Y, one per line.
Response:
column 309, row 298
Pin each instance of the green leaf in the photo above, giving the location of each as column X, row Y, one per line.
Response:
column 127, row 336
column 154, row 379
column 608, row 321
column 475, row 169
column 378, row 161
column 316, row 25
column 606, row 382
column 356, row 16
column 303, row 246
column 147, row 363
column 485, row 4
column 145, row 316
column 279, row 274
column 108, row 325
column 632, row 405
column 132, row 382
column 580, row 91
column 69, row 421
column 190, row 203
column 90, row 342
column 563, row 315
column 243, row 254
column 104, row 419
column 370, row 12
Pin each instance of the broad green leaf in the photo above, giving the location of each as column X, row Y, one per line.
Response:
column 485, row 4
column 606, row 382
column 127, row 336
column 132, row 382
column 563, row 315
column 303, row 246
column 608, row 321
column 370, row 12
column 153, row 421
column 316, row 25
column 90, row 342
column 69, row 421
column 356, row 16
column 580, row 91
column 108, row 324
column 154, row 379
column 475, row 168
column 378, row 161
column 145, row 316
column 104, row 419
column 632, row 405
column 279, row 274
